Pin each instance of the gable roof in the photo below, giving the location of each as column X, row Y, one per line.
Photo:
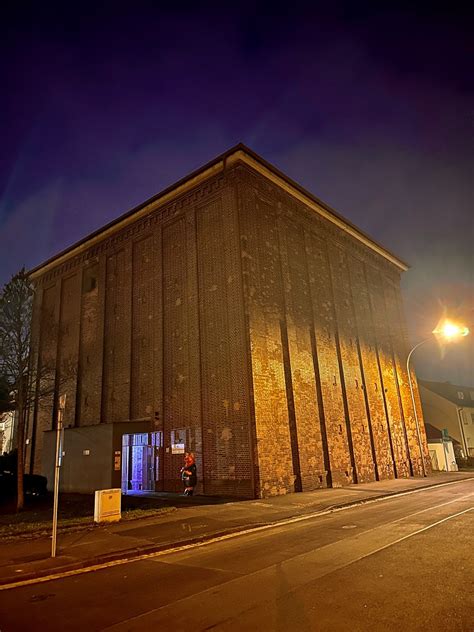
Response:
column 238, row 153
column 460, row 395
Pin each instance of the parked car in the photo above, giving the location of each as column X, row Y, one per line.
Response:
column 34, row 484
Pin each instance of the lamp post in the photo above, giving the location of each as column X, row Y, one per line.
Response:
column 449, row 332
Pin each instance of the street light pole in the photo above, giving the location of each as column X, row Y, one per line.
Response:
column 414, row 405
column 448, row 331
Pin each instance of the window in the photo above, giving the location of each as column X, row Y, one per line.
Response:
column 460, row 395
column 471, row 393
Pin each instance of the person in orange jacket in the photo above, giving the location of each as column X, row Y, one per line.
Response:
column 189, row 474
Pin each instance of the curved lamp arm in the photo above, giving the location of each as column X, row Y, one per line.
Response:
column 415, row 348
column 420, row 443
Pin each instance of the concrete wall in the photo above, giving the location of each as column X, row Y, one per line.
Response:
column 87, row 464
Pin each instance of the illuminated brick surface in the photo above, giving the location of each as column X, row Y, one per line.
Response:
column 237, row 318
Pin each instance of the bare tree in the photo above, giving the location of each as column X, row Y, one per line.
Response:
column 16, row 303
column 32, row 383
column 5, row 396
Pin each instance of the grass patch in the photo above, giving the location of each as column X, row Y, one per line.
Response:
column 17, row 528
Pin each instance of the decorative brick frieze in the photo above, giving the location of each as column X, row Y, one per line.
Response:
column 157, row 214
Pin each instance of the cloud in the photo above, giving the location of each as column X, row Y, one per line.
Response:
column 27, row 230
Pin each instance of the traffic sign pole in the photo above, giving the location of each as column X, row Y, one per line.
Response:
column 59, row 428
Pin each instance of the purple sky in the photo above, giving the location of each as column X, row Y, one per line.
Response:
column 370, row 109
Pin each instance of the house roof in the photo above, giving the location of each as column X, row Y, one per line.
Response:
column 239, row 153
column 432, row 433
column 435, row 434
column 459, row 395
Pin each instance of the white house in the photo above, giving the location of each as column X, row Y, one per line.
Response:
column 7, row 431
column 451, row 407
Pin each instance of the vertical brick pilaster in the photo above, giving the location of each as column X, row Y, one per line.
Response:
column 387, row 373
column 117, row 337
column 351, row 375
column 91, row 346
column 373, row 388
column 47, row 366
column 157, row 336
column 225, row 399
column 35, row 357
column 141, row 388
column 68, row 344
column 265, row 312
column 400, row 347
column 194, row 398
column 301, row 380
column 176, row 370
column 328, row 364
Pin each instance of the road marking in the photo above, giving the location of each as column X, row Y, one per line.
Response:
column 415, row 513
column 410, row 535
column 260, row 580
column 365, row 531
column 229, row 536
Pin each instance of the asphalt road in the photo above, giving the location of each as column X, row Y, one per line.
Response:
column 404, row 563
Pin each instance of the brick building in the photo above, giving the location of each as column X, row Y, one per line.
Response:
column 234, row 315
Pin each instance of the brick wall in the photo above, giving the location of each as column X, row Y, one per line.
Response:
column 302, row 385
column 350, row 367
column 89, row 405
column 236, row 319
column 372, row 384
column 143, row 324
column 117, row 337
column 327, row 349
column 393, row 409
column 68, row 344
column 264, row 295
column 225, row 391
column 44, row 408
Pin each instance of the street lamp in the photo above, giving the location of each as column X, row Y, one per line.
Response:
column 446, row 331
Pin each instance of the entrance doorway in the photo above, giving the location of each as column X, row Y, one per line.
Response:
column 142, row 455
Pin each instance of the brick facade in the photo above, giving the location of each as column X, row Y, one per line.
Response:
column 234, row 312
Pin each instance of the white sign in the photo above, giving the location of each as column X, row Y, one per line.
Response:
column 177, row 448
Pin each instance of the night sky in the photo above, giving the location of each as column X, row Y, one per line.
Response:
column 370, row 108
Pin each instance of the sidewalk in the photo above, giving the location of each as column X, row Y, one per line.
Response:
column 193, row 522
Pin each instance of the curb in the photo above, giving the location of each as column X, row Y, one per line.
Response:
column 77, row 528
column 127, row 555
column 124, row 554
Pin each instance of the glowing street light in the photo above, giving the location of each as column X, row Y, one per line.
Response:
column 445, row 331
column 450, row 331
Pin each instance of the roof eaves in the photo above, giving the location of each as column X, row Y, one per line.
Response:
column 238, row 152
